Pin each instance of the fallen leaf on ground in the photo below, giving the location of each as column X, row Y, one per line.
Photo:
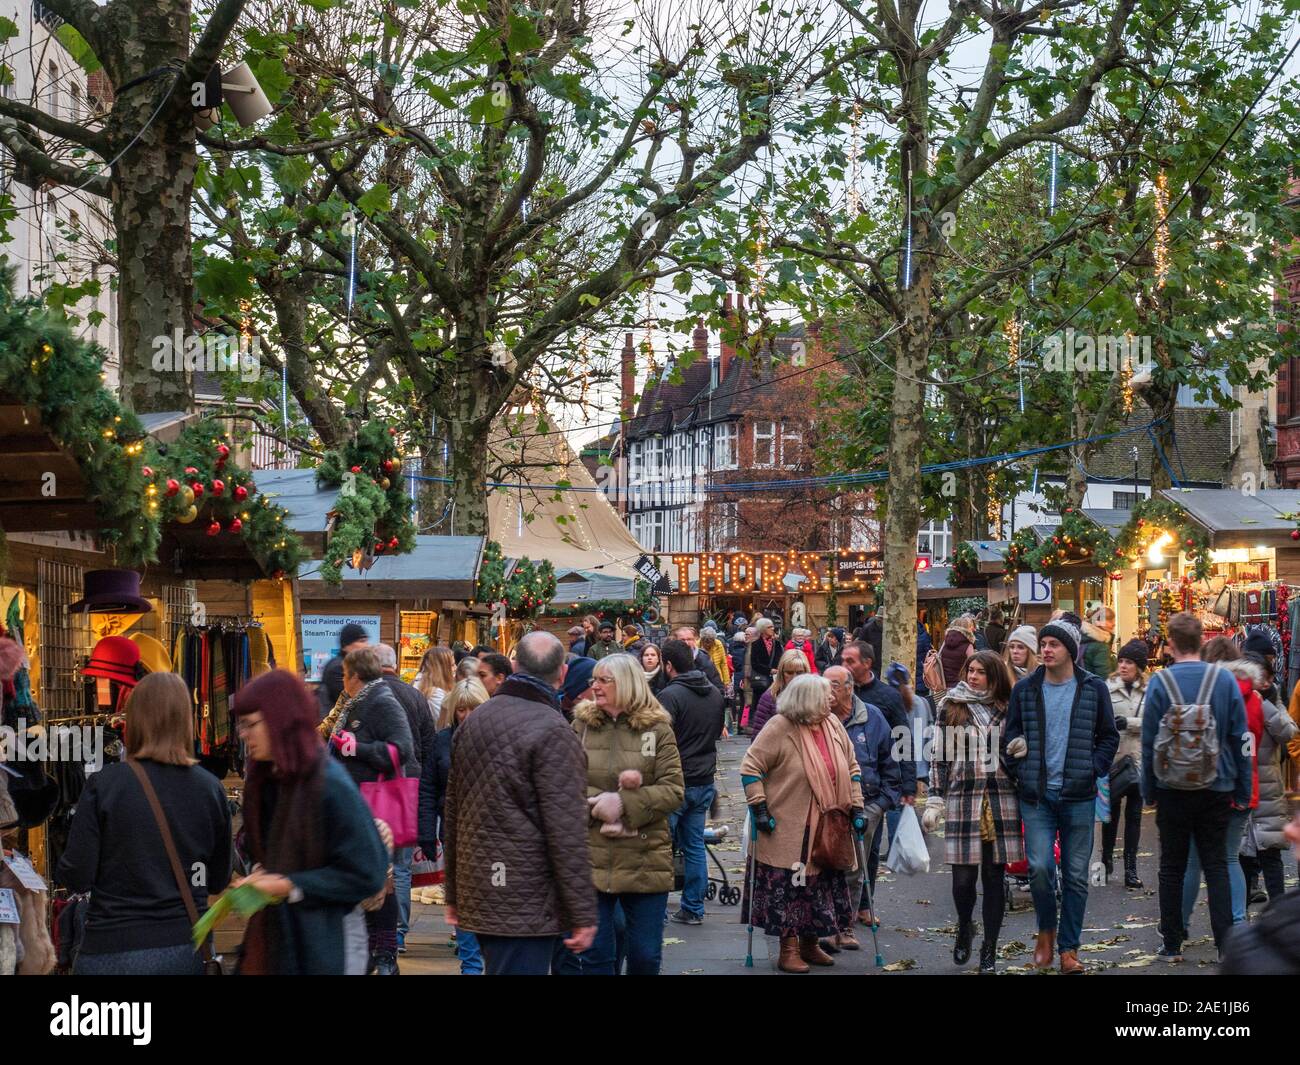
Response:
column 923, row 902
column 673, row 942
column 688, row 972
column 1137, row 924
column 1010, row 950
column 901, row 966
column 1140, row 962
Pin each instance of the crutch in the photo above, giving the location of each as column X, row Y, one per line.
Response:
column 871, row 902
column 753, row 866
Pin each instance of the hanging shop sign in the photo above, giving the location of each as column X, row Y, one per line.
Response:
column 658, row 582
column 740, row 572
column 1034, row 589
column 320, row 638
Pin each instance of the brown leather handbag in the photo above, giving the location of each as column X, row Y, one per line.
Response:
column 833, row 845
column 211, row 965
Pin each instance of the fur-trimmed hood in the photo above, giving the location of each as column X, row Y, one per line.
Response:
column 1245, row 669
column 1114, row 684
column 639, row 720
column 1095, row 632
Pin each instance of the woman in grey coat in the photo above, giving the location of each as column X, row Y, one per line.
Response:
column 1267, row 821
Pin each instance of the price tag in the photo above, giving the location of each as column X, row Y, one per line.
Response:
column 22, row 869
column 8, row 906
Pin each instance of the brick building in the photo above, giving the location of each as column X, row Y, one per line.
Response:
column 1287, row 463
column 685, row 464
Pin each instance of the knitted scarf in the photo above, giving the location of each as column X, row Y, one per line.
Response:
column 338, row 719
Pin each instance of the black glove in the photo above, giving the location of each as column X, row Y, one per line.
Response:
column 763, row 819
column 1121, row 722
column 859, row 818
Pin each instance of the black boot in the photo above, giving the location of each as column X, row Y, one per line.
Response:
column 384, row 965
column 1109, row 862
column 988, row 957
column 961, row 951
column 1131, row 874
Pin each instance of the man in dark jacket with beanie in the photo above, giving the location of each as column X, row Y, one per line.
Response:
column 351, row 636
column 696, row 708
column 1060, row 737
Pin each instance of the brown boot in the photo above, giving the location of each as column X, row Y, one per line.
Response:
column 830, row 944
column 790, row 962
column 1044, row 948
column 812, row 953
column 1070, row 962
column 847, row 941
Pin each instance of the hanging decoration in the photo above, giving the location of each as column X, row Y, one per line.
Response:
column 1164, row 522
column 965, row 564
column 44, row 364
column 1126, row 388
column 1077, row 540
column 373, row 512
column 529, row 588
column 191, row 477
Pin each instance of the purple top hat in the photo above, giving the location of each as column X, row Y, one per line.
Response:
column 111, row 591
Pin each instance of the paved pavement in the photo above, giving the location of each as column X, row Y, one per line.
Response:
column 916, row 913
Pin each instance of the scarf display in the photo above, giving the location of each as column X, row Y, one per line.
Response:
column 215, row 661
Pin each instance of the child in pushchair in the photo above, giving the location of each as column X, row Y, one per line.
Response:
column 1018, row 873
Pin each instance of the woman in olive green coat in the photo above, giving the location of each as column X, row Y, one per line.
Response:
column 634, row 781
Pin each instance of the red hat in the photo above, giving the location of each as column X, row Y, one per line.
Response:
column 116, row 658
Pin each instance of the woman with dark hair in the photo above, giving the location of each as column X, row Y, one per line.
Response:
column 653, row 667
column 137, row 922
column 307, row 829
column 972, row 793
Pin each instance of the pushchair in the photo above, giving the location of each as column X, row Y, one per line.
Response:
column 1018, row 873
column 719, row 886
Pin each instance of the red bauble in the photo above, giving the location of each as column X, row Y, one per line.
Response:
column 392, row 432
column 389, row 465
column 1189, row 543
column 356, row 469
column 223, row 451
column 1141, row 522
column 1295, row 534
column 148, row 472
column 197, row 488
column 214, row 528
column 241, row 493
column 393, row 542
column 278, row 574
column 190, row 471
column 218, row 487
column 173, row 486
column 236, row 526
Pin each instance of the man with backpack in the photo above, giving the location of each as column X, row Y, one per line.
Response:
column 1195, row 771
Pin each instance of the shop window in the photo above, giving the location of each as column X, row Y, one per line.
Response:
column 64, row 638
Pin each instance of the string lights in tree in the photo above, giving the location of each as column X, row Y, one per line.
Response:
column 1126, row 389
column 1162, row 229
column 855, row 165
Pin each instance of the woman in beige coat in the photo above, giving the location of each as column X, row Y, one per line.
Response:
column 634, row 781
column 799, row 769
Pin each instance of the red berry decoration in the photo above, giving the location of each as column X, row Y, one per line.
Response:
column 197, row 489
column 173, row 486
column 214, row 528
column 218, row 487
column 148, row 472
column 356, row 469
column 241, row 493
column 236, row 526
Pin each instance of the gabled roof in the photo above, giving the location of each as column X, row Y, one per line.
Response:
column 1201, row 453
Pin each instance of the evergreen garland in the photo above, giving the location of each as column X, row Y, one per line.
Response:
column 1023, row 544
column 373, row 510
column 642, row 601
column 965, row 564
column 1076, row 540
column 44, row 364
column 529, row 588
column 491, row 575
column 229, row 503
column 1153, row 516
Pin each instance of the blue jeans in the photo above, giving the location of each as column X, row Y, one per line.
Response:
column 1073, row 820
column 402, row 888
column 1236, row 877
column 645, row 916
column 687, row 827
column 469, row 953
column 516, row 955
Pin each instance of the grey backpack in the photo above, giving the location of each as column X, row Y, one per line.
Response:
column 1187, row 745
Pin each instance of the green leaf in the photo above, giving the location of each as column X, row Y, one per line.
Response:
column 523, row 37
column 73, row 42
column 377, row 200
column 8, row 28
column 321, row 5
column 271, row 75
column 222, row 279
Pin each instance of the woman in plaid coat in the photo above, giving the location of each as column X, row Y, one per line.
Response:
column 976, row 799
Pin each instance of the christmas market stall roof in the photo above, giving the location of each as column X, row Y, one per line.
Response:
column 440, row 567
column 1235, row 519
column 1110, row 520
column 572, row 526
column 990, row 554
column 574, row 588
column 31, row 459
column 933, row 583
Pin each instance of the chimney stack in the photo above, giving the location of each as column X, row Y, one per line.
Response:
column 700, row 338
column 628, row 390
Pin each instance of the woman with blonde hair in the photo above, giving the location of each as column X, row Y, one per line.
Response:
column 803, row 786
column 634, row 782
column 138, row 920
column 437, row 675
column 1021, row 652
column 465, row 695
column 792, row 664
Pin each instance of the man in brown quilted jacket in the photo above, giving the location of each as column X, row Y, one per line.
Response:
column 515, row 815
